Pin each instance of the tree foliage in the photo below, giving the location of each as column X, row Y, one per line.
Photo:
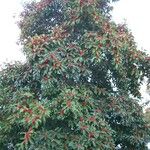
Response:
column 80, row 86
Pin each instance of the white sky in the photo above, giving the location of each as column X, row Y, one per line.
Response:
column 9, row 32
column 135, row 12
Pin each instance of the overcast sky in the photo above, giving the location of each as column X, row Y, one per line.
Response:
column 9, row 32
column 137, row 16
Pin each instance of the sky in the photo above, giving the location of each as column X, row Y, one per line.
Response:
column 134, row 12
column 9, row 33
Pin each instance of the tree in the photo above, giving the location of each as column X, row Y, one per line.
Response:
column 39, row 18
column 80, row 86
column 147, row 117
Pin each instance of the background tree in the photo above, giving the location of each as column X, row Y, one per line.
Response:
column 80, row 86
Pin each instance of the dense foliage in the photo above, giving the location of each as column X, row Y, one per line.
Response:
column 79, row 88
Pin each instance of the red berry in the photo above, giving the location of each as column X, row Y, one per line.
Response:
column 81, row 53
column 81, row 119
column 84, row 103
column 91, row 135
column 69, row 103
column 62, row 112
column 46, row 61
column 92, row 119
column 84, row 127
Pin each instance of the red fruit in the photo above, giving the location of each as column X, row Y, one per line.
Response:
column 57, row 65
column 35, row 119
column 45, row 38
column 81, row 2
column 62, row 112
column 45, row 78
column 69, row 103
column 81, row 119
column 41, row 108
column 52, row 56
column 28, row 111
column 27, row 119
column 81, row 53
column 91, row 135
column 46, row 61
column 99, row 38
column 84, row 127
column 84, row 103
column 27, row 136
column 91, row 2
column 100, row 45
column 92, row 119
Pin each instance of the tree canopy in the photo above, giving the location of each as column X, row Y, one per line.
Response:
column 79, row 88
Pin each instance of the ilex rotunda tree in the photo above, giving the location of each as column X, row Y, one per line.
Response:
column 79, row 89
